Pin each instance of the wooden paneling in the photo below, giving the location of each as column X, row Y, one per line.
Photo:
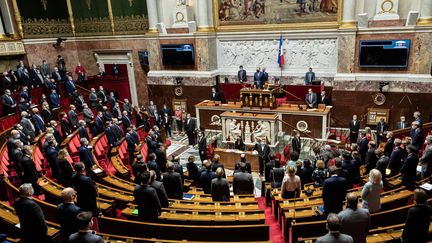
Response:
column 314, row 124
column 347, row 103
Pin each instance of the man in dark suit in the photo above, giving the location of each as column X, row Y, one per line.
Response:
column 85, row 156
column 202, row 146
column 85, row 188
column 27, row 125
column 206, row 177
column 102, row 95
column 39, row 123
column 56, row 75
column 98, row 124
column 396, row 158
column 70, row 86
column 416, row 135
column 265, row 77
column 263, row 151
column 215, row 95
column 31, row 217
column 146, row 198
column 296, row 142
column 409, row 167
column 381, row 129
column 334, row 192
column 243, row 182
column 334, row 226
column 258, row 78
column 126, row 120
column 355, row 221
column 67, row 212
column 25, row 94
column 190, row 127
column 248, row 165
column 418, row 119
column 54, row 98
column 241, row 75
column 51, row 157
column 388, row 147
column 6, row 81
column 73, row 117
column 324, row 99
column 382, row 163
column 82, row 130
column 354, row 127
column 311, row 99
column 402, row 123
column 309, row 77
column 216, row 163
column 29, row 172
column 152, row 165
column 167, row 122
column 371, row 159
column 79, row 102
column 426, row 159
column 161, row 159
column 172, row 182
column 138, row 167
column 9, row 105
column 418, row 219
column 160, row 189
column 85, row 234
column 220, row 187
column 112, row 140
column 131, row 145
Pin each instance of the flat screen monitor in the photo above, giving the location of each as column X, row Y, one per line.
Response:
column 178, row 56
column 384, row 53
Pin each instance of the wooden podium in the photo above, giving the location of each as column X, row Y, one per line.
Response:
column 258, row 98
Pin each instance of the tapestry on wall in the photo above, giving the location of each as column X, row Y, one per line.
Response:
column 130, row 17
column 237, row 12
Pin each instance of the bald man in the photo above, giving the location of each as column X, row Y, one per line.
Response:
column 67, row 212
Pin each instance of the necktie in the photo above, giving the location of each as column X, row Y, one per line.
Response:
column 310, row 98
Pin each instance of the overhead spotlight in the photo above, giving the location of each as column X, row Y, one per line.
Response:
column 59, row 42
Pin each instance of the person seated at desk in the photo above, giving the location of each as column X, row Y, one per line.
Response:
column 215, row 95
column 311, row 99
column 309, row 77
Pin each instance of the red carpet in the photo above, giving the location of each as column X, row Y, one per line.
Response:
column 275, row 232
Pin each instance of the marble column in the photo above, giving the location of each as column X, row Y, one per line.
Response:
column 425, row 12
column 203, row 19
column 348, row 14
column 152, row 12
column 2, row 31
column 7, row 19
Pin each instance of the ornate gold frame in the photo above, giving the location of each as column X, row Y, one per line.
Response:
column 288, row 26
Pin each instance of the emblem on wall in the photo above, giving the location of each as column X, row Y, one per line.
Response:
column 216, row 120
column 302, row 126
column 178, row 91
column 379, row 99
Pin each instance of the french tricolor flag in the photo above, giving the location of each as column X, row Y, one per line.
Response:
column 281, row 59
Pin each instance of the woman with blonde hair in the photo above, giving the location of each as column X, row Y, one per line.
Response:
column 319, row 174
column 291, row 184
column 66, row 170
column 371, row 193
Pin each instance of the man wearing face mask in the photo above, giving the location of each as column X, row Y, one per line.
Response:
column 354, row 127
column 258, row 78
column 263, row 151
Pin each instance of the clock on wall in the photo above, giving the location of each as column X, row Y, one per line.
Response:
column 379, row 99
column 180, row 17
column 178, row 91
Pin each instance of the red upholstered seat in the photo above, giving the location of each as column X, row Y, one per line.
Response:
column 280, row 101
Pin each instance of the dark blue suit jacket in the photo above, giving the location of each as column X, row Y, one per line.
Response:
column 152, row 165
column 98, row 125
column 126, row 122
column 130, row 142
column 55, row 100
column 86, row 156
column 70, row 87
column 38, row 124
column 110, row 136
column 334, row 193
column 82, row 131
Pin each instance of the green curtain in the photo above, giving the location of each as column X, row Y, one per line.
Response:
column 128, row 7
column 43, row 9
column 89, row 8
